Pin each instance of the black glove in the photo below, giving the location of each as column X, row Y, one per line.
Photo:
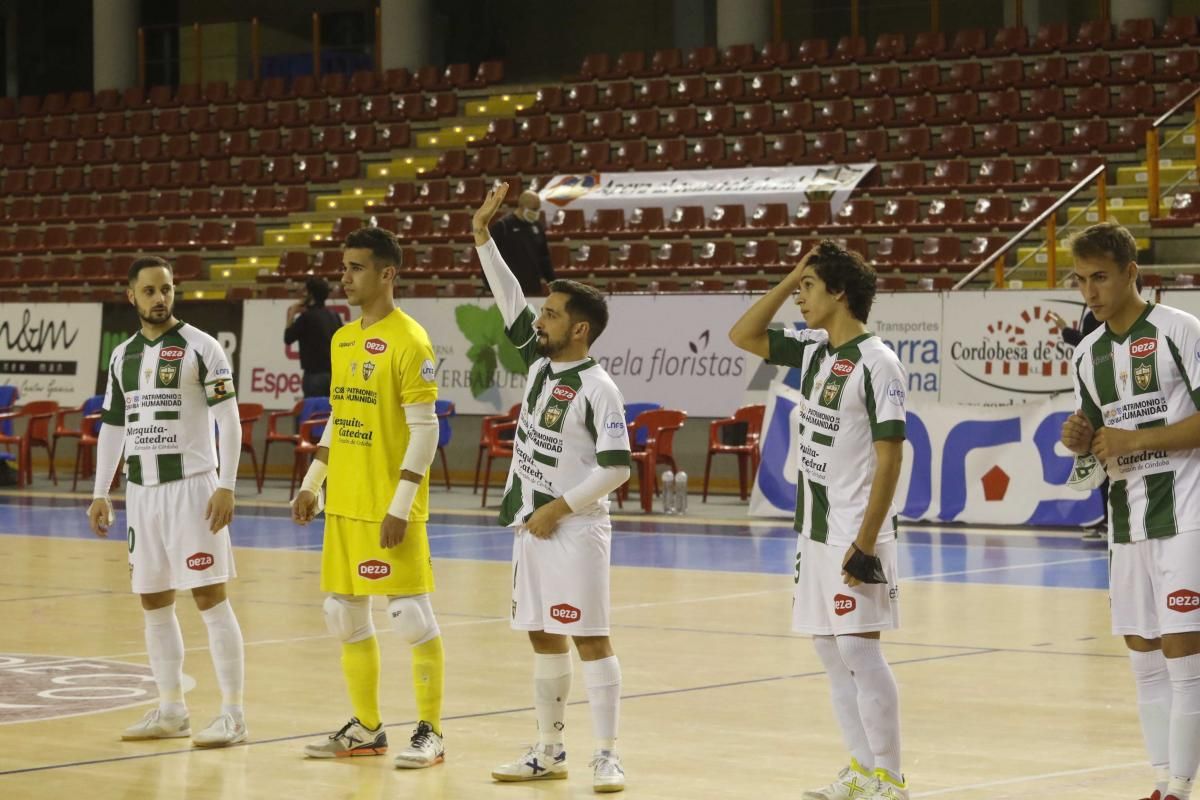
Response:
column 868, row 569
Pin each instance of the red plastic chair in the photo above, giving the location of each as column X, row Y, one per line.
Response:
column 660, row 426
column 747, row 453
column 90, row 410
column 308, row 441
column 248, row 415
column 37, row 432
column 499, row 444
column 486, row 437
column 88, row 439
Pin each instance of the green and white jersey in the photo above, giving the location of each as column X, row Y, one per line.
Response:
column 1147, row 378
column 160, row 391
column 853, row 396
column 571, row 421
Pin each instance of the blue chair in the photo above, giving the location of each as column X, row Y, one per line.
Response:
column 9, row 395
column 301, row 413
column 641, row 436
column 445, row 410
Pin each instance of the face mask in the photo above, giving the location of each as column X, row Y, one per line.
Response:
column 529, row 215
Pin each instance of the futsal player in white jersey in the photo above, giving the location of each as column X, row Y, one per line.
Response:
column 851, row 431
column 570, row 451
column 1137, row 389
column 167, row 385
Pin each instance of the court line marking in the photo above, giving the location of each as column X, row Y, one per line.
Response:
column 477, row 715
column 1028, row 778
column 1008, row 567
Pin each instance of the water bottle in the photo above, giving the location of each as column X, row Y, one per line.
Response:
column 681, row 492
column 668, row 492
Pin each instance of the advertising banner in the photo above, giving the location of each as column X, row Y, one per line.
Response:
column 982, row 465
column 709, row 188
column 49, row 351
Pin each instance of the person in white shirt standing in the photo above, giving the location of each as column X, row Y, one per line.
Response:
column 167, row 385
column 570, row 451
column 851, row 433
column 1137, row 391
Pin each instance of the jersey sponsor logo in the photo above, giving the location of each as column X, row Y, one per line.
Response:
column 614, row 425
column 1143, row 347
column 843, row 604
column 895, row 392
column 1183, row 601
column 842, row 367
column 170, row 354
column 200, row 561
column 375, row 346
column 374, row 569
column 368, row 369
column 564, row 394
column 565, row 613
column 1143, row 374
column 428, row 371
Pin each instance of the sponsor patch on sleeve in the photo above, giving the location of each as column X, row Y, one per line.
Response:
column 428, row 371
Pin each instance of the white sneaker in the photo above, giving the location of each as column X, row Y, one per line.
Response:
column 424, row 749
column 156, row 725
column 538, row 764
column 221, row 732
column 852, row 782
column 354, row 739
column 887, row 789
column 607, row 775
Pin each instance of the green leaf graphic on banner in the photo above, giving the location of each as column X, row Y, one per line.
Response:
column 484, row 329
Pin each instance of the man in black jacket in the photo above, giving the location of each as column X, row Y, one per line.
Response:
column 313, row 325
column 521, row 237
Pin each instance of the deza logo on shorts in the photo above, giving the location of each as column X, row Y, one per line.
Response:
column 564, row 613
column 843, row 604
column 200, row 561
column 170, row 353
column 1183, row 601
column 375, row 346
column 1143, row 347
column 374, row 569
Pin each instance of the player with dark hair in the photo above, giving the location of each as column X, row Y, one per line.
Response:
column 850, row 438
column 1137, row 389
column 375, row 452
column 167, row 385
column 570, row 451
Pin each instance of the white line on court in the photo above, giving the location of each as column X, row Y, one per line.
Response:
column 1029, row 778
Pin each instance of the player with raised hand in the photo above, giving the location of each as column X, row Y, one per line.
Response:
column 570, row 451
column 374, row 457
column 1137, row 390
column 849, row 443
column 167, row 385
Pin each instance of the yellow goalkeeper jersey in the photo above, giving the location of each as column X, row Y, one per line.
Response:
column 376, row 372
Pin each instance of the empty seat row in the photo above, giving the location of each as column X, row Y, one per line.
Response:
column 218, row 93
column 92, row 269
column 1087, row 70
column 211, row 235
column 166, row 204
column 194, row 173
column 926, row 45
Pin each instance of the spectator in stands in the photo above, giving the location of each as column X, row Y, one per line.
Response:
column 1073, row 336
column 313, row 325
column 521, row 237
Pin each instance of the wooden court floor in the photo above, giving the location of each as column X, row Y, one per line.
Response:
column 1006, row 691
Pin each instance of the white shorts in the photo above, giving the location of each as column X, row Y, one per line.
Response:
column 1154, row 586
column 170, row 545
column 822, row 605
column 560, row 584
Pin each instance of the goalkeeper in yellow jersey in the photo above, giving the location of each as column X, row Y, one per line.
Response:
column 375, row 455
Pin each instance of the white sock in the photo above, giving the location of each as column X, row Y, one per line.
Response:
column 551, row 686
column 1154, row 709
column 225, row 644
column 603, row 680
column 1185, row 723
column 164, row 645
column 845, row 701
column 878, row 700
